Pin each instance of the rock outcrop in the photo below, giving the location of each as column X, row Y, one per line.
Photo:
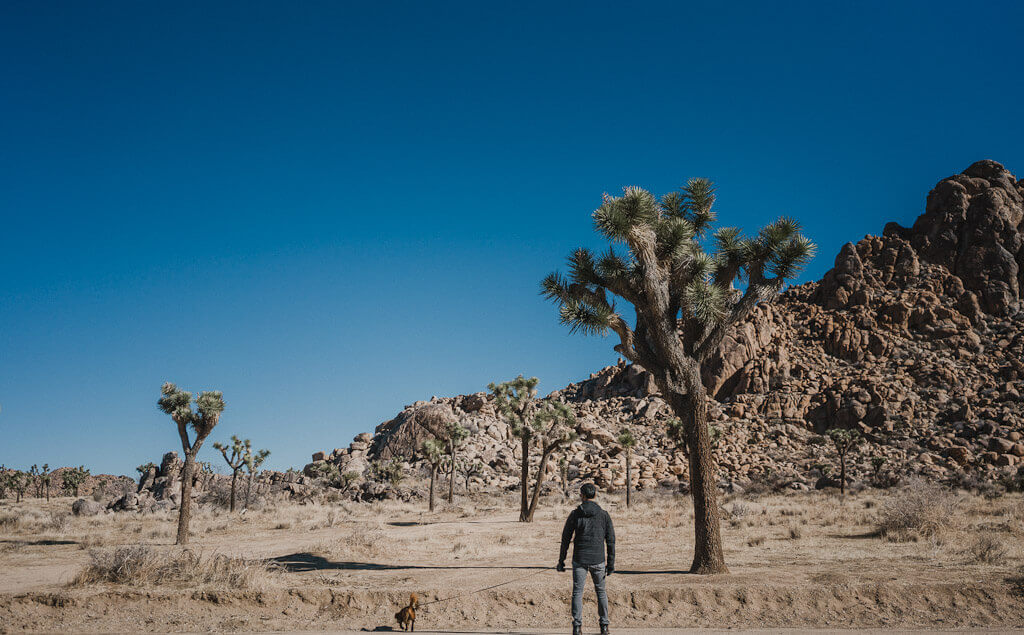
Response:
column 914, row 337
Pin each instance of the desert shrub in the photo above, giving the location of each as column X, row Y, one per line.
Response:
column 756, row 541
column 795, row 532
column 988, row 549
column 140, row 565
column 919, row 509
column 217, row 495
column 57, row 522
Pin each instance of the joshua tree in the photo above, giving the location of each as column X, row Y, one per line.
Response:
column 18, row 482
column 390, row 471
column 433, row 450
column 178, row 404
column 236, row 461
column 456, row 435
column 685, row 303
column 73, row 478
column 37, row 483
column 628, row 442
column 563, row 475
column 45, row 478
column 845, row 441
column 550, row 422
column 252, row 463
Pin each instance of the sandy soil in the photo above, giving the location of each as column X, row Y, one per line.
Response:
column 802, row 560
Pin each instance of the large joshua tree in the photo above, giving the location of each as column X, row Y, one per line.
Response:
column 239, row 449
column 550, row 422
column 178, row 404
column 684, row 302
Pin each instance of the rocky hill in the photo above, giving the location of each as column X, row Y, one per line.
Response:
column 914, row 337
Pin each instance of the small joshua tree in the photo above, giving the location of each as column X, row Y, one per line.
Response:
column 628, row 442
column 45, row 478
column 685, row 304
column 236, row 461
column 252, row 464
column 73, row 479
column 37, row 483
column 550, row 422
column 178, row 404
column 456, row 436
column 563, row 475
column 433, row 450
column 844, row 441
column 388, row 471
column 18, row 481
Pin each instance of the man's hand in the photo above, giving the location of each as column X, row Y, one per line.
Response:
column 610, row 569
column 560, row 567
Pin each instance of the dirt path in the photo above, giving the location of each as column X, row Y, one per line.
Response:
column 808, row 562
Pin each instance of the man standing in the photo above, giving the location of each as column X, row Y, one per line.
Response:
column 593, row 529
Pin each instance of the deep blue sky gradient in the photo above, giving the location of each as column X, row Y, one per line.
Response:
column 329, row 210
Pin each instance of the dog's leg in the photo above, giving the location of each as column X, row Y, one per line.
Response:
column 412, row 625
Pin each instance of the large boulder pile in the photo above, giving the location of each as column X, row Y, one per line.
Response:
column 915, row 338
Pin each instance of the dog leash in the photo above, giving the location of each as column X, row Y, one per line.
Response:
column 493, row 586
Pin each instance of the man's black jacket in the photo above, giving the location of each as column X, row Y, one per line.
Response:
column 593, row 529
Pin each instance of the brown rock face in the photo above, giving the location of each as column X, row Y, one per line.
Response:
column 974, row 226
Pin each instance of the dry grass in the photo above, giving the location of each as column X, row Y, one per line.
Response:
column 142, row 565
column 919, row 510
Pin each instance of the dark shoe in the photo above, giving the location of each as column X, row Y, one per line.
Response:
column 577, row 630
column 604, row 629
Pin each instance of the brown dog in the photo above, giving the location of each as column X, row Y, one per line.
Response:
column 407, row 616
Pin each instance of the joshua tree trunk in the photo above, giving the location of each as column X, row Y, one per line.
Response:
column 433, row 479
column 234, row 479
column 629, row 478
column 185, row 510
column 524, row 481
column 536, row 487
column 842, row 474
column 451, row 475
column 692, row 409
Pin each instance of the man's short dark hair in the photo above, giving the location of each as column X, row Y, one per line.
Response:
column 588, row 491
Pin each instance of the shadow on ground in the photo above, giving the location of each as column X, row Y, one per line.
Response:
column 305, row 561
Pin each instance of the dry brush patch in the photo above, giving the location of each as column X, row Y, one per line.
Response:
column 143, row 566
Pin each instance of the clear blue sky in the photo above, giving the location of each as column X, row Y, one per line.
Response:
column 329, row 210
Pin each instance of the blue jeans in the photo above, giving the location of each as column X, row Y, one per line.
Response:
column 579, row 578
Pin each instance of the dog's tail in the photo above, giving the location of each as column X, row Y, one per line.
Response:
column 413, row 600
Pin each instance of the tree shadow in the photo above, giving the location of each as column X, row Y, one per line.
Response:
column 638, row 572
column 863, row 536
column 39, row 543
column 305, row 561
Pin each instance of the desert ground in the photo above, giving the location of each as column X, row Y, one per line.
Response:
column 919, row 557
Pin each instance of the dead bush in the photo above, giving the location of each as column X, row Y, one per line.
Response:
column 919, row 509
column 140, row 565
column 988, row 549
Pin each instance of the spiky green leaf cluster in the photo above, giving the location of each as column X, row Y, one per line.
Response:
column 626, row 438
column 178, row 404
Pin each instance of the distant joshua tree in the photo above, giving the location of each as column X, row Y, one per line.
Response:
column 628, row 442
column 236, row 461
column 551, row 423
column 18, row 482
column 844, row 441
column 456, row 435
column 252, row 464
column 563, row 475
column 685, row 304
column 73, row 478
column 178, row 404
column 433, row 450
